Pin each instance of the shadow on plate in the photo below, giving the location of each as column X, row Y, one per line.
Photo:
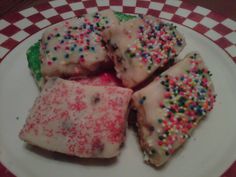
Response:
column 71, row 159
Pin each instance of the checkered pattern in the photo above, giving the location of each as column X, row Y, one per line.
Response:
column 14, row 28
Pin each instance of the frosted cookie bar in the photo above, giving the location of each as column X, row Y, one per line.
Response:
column 171, row 107
column 73, row 47
column 33, row 55
column 80, row 120
column 140, row 46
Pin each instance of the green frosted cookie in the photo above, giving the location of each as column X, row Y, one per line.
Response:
column 33, row 54
column 34, row 64
column 124, row 17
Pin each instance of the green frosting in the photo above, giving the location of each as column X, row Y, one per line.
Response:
column 33, row 53
column 33, row 61
column 124, row 17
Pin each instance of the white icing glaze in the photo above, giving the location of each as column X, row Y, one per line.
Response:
column 150, row 111
column 64, row 49
column 134, row 70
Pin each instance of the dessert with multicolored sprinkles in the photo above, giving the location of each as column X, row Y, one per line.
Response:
column 81, row 120
column 140, row 46
column 74, row 47
column 171, row 107
column 86, row 114
column 33, row 55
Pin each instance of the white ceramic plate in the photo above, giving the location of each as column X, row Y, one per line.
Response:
column 208, row 153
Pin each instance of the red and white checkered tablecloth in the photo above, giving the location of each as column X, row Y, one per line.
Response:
column 18, row 26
